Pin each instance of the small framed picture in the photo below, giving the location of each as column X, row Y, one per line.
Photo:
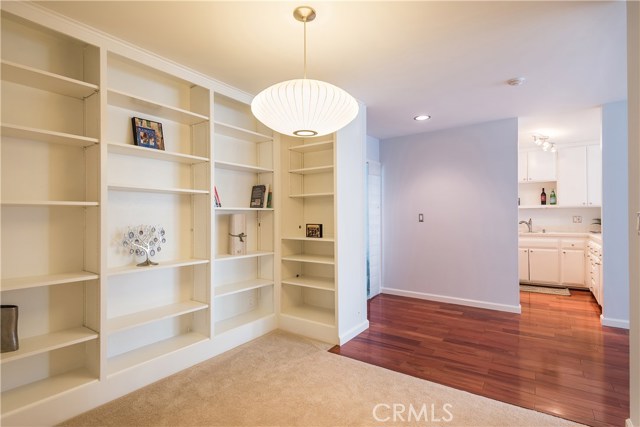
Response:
column 314, row 230
column 147, row 133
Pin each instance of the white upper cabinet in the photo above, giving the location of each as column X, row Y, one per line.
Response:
column 594, row 175
column 536, row 166
column 522, row 166
column 580, row 176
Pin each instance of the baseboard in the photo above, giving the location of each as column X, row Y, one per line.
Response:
column 628, row 423
column 614, row 323
column 454, row 300
column 353, row 332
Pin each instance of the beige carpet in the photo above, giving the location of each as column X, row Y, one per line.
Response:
column 285, row 380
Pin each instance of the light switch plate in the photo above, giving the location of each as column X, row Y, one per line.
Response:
column 420, row 218
column 577, row 219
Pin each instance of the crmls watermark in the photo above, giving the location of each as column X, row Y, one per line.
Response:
column 399, row 412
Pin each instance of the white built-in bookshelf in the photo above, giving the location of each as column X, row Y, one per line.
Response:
column 244, row 157
column 50, row 211
column 155, row 310
column 92, row 324
column 308, row 298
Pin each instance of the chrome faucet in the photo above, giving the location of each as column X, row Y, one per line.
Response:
column 528, row 223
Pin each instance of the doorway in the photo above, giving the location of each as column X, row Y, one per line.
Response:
column 374, row 228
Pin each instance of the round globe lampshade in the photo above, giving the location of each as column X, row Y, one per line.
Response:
column 304, row 107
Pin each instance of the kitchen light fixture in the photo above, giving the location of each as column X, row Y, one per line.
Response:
column 421, row 118
column 304, row 107
column 543, row 141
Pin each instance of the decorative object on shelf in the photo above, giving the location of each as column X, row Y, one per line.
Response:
column 267, row 191
column 144, row 240
column 314, row 230
column 552, row 197
column 543, row 141
column 269, row 199
column 216, row 198
column 237, row 234
column 258, row 196
column 543, row 197
column 596, row 225
column 304, row 107
column 9, row 328
column 147, row 133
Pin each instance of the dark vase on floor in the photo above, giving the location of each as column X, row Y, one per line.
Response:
column 9, row 328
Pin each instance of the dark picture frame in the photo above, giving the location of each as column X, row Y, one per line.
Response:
column 147, row 133
column 314, row 231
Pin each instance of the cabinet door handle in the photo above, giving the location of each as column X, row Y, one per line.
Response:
column 564, row 252
column 638, row 222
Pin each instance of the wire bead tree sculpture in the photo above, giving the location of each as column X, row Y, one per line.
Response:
column 144, row 240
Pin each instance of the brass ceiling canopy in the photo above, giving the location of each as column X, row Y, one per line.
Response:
column 304, row 13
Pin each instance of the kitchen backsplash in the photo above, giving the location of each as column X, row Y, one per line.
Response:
column 559, row 219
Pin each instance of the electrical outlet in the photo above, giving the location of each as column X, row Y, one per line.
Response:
column 577, row 219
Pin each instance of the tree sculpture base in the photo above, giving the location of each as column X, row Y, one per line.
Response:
column 147, row 263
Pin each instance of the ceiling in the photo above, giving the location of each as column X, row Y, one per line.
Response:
column 449, row 59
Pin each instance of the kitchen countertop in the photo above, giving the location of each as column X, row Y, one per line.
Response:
column 597, row 237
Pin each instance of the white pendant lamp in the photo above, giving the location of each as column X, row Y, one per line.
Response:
column 304, row 107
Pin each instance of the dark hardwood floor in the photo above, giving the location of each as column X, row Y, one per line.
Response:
column 555, row 357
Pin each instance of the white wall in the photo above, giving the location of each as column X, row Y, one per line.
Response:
column 373, row 148
column 633, row 90
column 464, row 181
column 351, row 227
column 615, row 232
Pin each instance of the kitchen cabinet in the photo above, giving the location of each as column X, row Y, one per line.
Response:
column 523, row 264
column 572, row 262
column 538, row 260
column 580, row 176
column 543, row 265
column 594, row 175
column 594, row 271
column 536, row 166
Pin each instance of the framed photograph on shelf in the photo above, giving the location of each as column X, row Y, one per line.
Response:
column 314, row 230
column 147, row 133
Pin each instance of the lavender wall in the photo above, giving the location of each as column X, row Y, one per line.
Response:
column 464, row 181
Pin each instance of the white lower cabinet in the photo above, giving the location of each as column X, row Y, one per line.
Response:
column 523, row 264
column 550, row 260
column 538, row 260
column 572, row 262
column 544, row 266
column 572, row 267
column 594, row 271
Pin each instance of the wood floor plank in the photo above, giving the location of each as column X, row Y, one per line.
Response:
column 555, row 357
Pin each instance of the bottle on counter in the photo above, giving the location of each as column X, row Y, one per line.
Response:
column 552, row 197
column 543, row 198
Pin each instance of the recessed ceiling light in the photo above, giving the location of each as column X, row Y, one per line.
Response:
column 421, row 118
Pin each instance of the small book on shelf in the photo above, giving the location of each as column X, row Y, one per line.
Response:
column 269, row 199
column 258, row 196
column 216, row 198
column 267, row 191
